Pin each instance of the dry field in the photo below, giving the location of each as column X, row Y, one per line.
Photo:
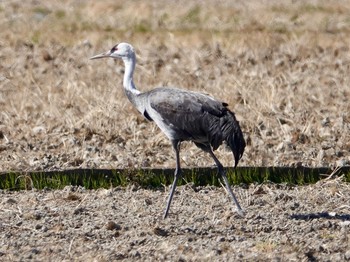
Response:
column 284, row 68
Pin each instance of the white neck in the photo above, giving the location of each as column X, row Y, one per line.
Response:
column 128, row 81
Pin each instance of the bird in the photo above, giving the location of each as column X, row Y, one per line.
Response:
column 183, row 115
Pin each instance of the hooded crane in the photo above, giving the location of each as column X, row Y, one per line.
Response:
column 183, row 116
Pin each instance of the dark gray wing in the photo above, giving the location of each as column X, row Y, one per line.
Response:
column 193, row 116
column 147, row 116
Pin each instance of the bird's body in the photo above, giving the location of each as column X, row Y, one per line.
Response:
column 183, row 116
column 190, row 116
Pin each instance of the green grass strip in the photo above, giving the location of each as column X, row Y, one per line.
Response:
column 155, row 178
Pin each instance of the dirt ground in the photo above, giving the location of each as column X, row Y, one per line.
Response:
column 282, row 223
column 284, row 69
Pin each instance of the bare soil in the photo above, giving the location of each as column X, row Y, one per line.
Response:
column 284, row 69
column 282, row 223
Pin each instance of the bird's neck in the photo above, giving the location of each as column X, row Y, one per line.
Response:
column 128, row 81
column 130, row 89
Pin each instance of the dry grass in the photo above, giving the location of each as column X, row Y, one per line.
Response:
column 283, row 68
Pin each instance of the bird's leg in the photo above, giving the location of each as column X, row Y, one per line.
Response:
column 176, row 145
column 227, row 185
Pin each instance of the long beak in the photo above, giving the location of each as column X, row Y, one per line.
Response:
column 103, row 55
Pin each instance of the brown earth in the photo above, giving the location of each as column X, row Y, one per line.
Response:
column 284, row 68
column 282, row 223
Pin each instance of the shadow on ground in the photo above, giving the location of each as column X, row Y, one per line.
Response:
column 326, row 215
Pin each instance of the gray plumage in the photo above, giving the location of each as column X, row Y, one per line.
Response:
column 183, row 116
column 195, row 117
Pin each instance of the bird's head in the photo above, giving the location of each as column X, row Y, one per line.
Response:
column 122, row 50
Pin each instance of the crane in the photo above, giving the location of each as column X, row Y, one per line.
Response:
column 183, row 116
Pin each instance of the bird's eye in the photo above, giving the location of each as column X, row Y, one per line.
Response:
column 114, row 48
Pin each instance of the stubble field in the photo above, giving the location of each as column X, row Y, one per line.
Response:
column 284, row 69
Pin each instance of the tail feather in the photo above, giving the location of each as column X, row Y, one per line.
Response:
column 222, row 126
column 233, row 136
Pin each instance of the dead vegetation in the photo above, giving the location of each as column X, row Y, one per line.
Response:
column 283, row 68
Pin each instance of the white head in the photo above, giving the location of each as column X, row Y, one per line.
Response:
column 122, row 50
